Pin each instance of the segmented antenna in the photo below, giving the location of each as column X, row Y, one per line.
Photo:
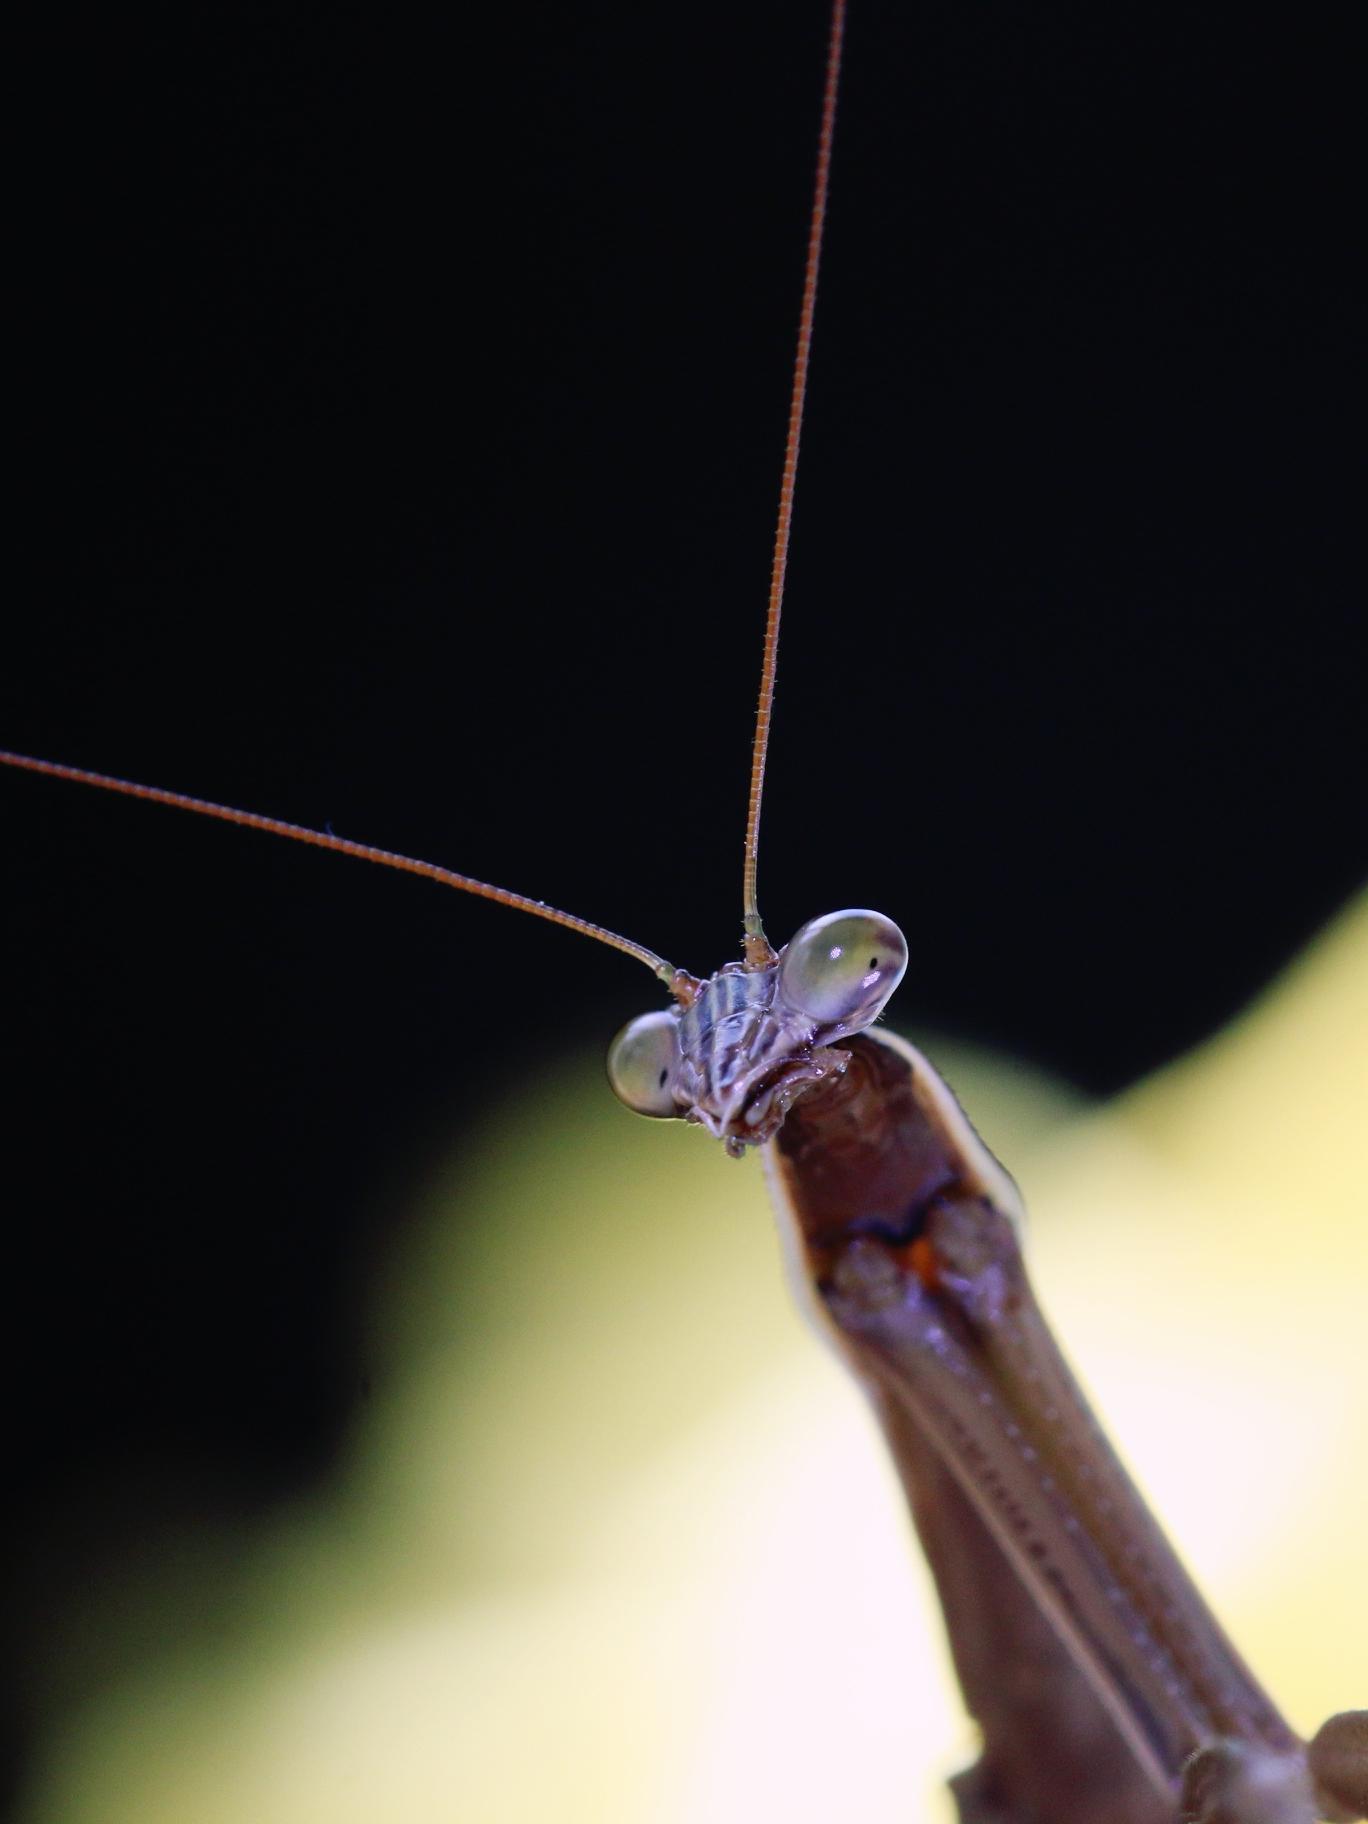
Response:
column 758, row 951
column 675, row 979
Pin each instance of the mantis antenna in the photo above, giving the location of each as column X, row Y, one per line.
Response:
column 759, row 953
column 675, row 979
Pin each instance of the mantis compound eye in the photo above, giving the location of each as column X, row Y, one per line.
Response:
column 641, row 1063
column 840, row 969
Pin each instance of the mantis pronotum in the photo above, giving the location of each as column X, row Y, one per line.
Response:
column 955, row 744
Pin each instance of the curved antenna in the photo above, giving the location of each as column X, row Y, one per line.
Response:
column 679, row 984
column 758, row 951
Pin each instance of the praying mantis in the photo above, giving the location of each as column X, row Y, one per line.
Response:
column 869, row 801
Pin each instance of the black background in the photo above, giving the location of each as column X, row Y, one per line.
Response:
column 401, row 405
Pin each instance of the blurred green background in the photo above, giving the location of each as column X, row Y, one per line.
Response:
column 614, row 1539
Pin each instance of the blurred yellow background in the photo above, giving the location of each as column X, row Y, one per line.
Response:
column 615, row 1539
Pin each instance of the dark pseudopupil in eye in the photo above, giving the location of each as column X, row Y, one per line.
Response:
column 664, row 1073
column 873, row 962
